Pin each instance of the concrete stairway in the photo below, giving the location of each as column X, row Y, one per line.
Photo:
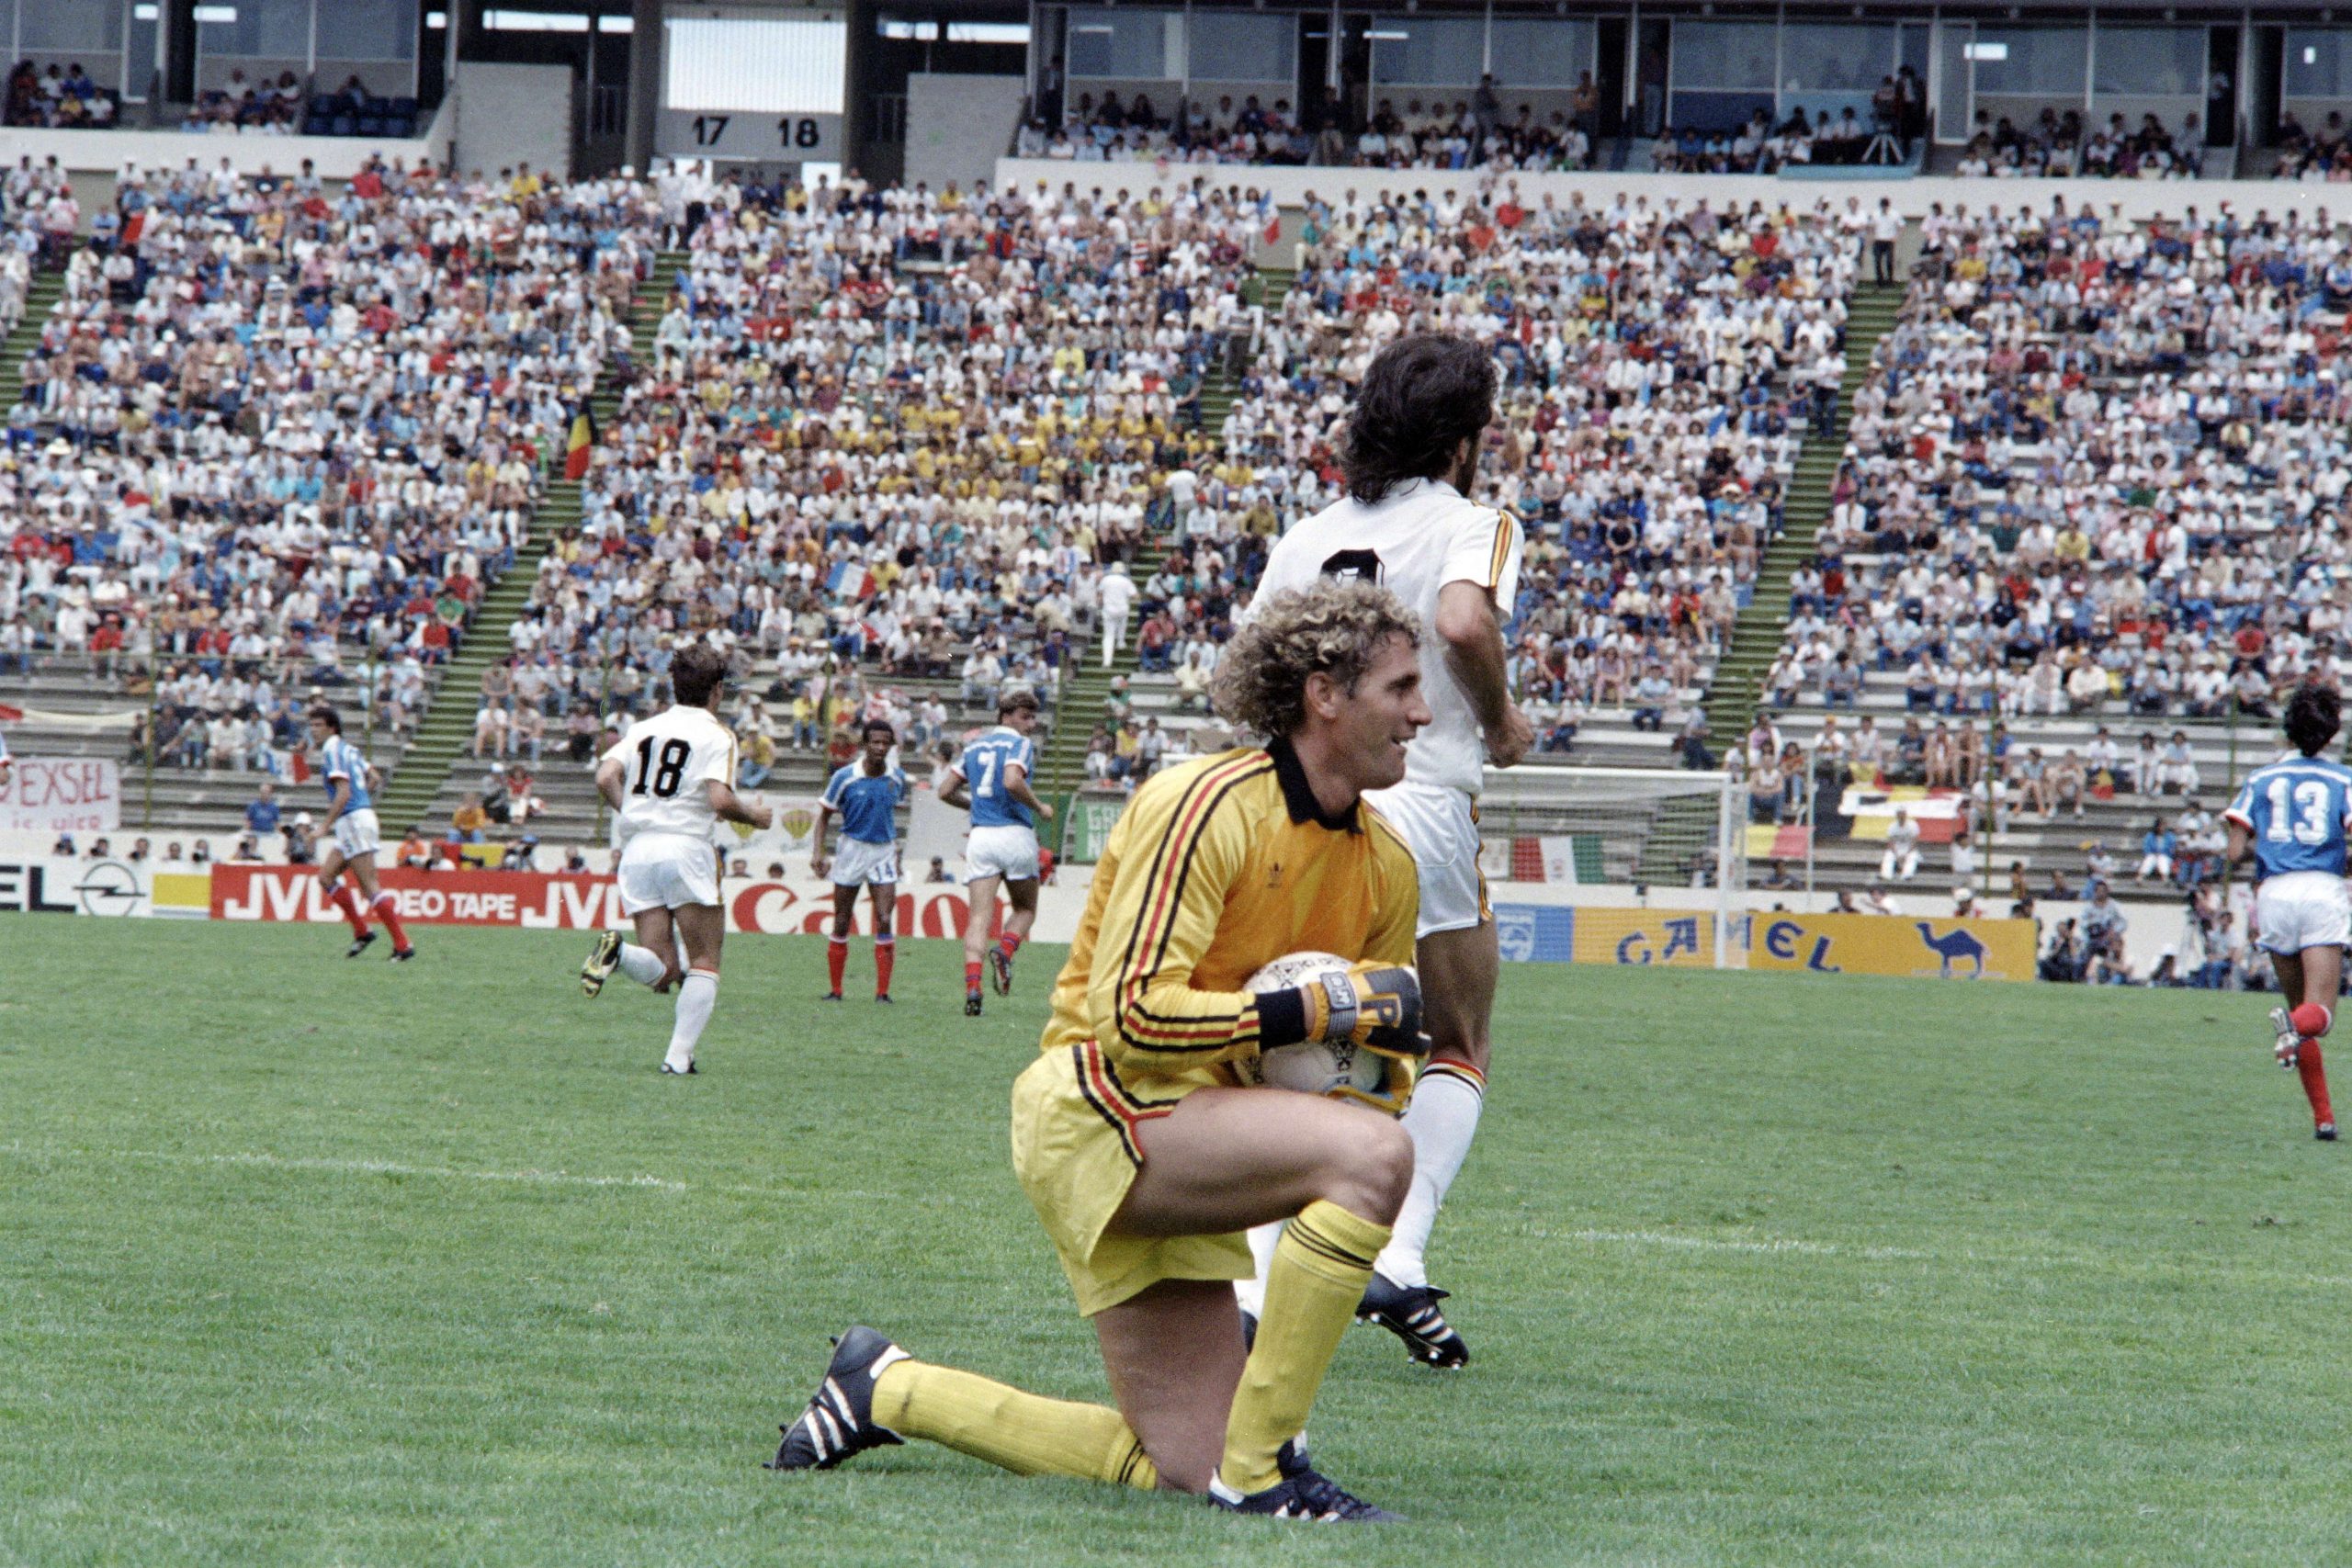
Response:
column 430, row 769
column 1756, row 635
column 1061, row 767
column 40, row 298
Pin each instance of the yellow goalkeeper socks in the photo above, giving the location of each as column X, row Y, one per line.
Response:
column 1025, row 1433
column 1322, row 1266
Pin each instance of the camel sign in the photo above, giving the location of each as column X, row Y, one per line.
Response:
column 1893, row 945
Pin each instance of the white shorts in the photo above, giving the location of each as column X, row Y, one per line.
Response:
column 356, row 834
column 1008, row 851
column 667, row 870
column 1441, row 826
column 2301, row 910
column 857, row 863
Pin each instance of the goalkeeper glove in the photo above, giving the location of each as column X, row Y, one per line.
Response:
column 1373, row 1004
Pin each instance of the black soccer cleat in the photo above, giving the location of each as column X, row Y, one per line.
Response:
column 2324, row 1131
column 831, row 996
column 668, row 1071
column 1301, row 1493
column 971, row 1004
column 882, row 996
column 839, row 1421
column 603, row 959
column 359, row 944
column 1001, row 972
column 1410, row 1313
column 402, row 955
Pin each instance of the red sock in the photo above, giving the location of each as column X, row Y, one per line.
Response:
column 971, row 977
column 1009, row 943
column 2314, row 1076
column 342, row 899
column 836, row 959
column 884, row 950
column 387, row 910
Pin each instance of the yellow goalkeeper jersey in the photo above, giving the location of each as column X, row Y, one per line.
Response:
column 1218, row 867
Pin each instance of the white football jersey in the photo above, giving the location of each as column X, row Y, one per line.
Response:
column 1423, row 535
column 669, row 758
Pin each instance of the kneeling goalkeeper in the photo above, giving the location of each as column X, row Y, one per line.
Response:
column 1145, row 1158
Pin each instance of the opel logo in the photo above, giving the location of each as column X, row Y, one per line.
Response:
column 108, row 887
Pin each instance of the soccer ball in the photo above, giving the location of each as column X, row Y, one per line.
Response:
column 1311, row 1067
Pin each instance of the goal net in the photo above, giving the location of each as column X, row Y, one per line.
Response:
column 1617, row 866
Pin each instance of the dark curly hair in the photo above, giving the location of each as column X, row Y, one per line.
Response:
column 1423, row 395
column 1330, row 628
column 2314, row 715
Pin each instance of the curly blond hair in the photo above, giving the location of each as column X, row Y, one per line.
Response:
column 1334, row 627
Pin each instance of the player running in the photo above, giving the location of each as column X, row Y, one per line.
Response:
column 992, row 778
column 2292, row 817
column 1144, row 1158
column 354, row 838
column 1407, row 524
column 865, row 793
column 670, row 780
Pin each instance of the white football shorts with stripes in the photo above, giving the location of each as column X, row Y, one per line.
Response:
column 667, row 870
column 1440, row 824
column 2300, row 909
column 857, row 863
column 1009, row 850
column 356, row 834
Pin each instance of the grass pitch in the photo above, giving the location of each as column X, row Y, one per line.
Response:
column 309, row 1261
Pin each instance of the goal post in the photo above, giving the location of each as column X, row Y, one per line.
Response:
column 1658, row 856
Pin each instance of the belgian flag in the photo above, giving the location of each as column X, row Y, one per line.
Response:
column 583, row 441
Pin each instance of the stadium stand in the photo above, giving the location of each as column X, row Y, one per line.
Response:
column 891, row 446
column 184, row 573
column 850, row 447
column 2083, row 534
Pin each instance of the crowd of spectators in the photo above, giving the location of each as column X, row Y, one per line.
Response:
column 2097, row 469
column 885, row 436
column 1475, row 130
column 62, row 98
column 2096, row 474
column 2057, row 146
column 275, row 442
column 1662, row 364
column 2322, row 155
column 1762, row 147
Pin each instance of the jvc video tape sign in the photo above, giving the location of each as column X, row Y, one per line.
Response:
column 765, row 137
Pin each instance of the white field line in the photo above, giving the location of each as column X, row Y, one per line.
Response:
column 346, row 1167
column 1644, row 1240
column 2098, row 1262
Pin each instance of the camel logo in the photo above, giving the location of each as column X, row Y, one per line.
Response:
column 1952, row 947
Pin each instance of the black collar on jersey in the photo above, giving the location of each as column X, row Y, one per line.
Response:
column 1299, row 795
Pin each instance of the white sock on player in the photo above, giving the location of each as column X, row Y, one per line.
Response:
column 1441, row 1120
column 698, row 994
column 1251, row 1292
column 641, row 965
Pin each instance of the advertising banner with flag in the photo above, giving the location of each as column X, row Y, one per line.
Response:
column 581, row 445
column 1870, row 810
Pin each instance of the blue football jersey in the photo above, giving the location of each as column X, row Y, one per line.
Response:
column 2296, row 811
column 868, row 803
column 982, row 766
column 339, row 758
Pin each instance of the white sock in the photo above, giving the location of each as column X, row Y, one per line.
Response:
column 1251, row 1292
column 698, row 994
column 641, row 965
column 1442, row 1120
